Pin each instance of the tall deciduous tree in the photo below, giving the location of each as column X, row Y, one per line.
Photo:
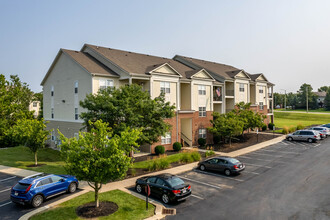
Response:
column 305, row 92
column 324, row 89
column 98, row 156
column 31, row 133
column 226, row 125
column 15, row 98
column 129, row 106
column 327, row 101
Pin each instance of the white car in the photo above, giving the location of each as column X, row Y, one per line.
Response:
column 324, row 132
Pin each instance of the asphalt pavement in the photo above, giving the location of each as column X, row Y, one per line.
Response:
column 287, row 180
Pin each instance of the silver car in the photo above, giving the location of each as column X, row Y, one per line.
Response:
column 324, row 132
column 304, row 135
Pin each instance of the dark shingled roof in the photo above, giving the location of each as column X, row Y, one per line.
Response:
column 254, row 76
column 138, row 63
column 89, row 63
column 217, row 68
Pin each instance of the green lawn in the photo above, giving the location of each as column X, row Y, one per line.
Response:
column 130, row 207
column 291, row 118
column 22, row 157
column 323, row 110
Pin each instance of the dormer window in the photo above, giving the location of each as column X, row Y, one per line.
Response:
column 165, row 87
column 241, row 87
column 201, row 90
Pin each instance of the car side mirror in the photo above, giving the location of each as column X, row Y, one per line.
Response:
column 61, row 180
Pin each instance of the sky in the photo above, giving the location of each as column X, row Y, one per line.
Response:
column 287, row 40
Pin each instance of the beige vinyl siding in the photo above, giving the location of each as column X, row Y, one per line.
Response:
column 96, row 81
column 63, row 77
column 201, row 100
column 171, row 96
column 241, row 96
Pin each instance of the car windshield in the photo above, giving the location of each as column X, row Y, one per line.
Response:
column 175, row 181
column 21, row 186
column 232, row 160
column 319, row 129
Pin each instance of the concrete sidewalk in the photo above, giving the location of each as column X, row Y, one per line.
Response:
column 16, row 171
column 123, row 184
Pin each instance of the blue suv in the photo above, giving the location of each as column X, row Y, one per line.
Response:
column 35, row 189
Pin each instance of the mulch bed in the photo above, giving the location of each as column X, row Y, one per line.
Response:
column 248, row 140
column 90, row 211
column 33, row 165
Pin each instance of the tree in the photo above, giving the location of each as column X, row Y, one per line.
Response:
column 278, row 99
column 305, row 89
column 98, row 156
column 129, row 106
column 226, row 125
column 292, row 100
column 31, row 133
column 327, row 101
column 249, row 119
column 15, row 98
column 324, row 89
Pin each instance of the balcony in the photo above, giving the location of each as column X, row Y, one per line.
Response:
column 217, row 99
column 229, row 92
column 270, row 110
column 270, row 95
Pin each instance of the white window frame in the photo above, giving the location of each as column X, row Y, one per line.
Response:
column 241, row 87
column 52, row 113
column 35, row 104
column 53, row 138
column 76, row 114
column 202, row 111
column 167, row 139
column 202, row 133
column 76, row 135
column 52, row 91
column 165, row 87
column 76, row 87
column 261, row 89
column 261, row 105
column 105, row 83
column 201, row 90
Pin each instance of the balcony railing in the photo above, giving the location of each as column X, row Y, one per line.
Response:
column 270, row 95
column 229, row 92
column 219, row 98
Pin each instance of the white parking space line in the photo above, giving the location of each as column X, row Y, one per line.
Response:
column 254, row 158
column 5, row 204
column 198, row 197
column 280, row 151
column 317, row 145
column 284, row 143
column 9, row 178
column 206, row 184
column 257, row 165
column 214, row 174
column 245, row 171
column 5, row 190
column 271, row 155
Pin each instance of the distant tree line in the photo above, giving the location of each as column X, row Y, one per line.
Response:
column 299, row 99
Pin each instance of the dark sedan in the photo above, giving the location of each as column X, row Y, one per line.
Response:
column 168, row 187
column 227, row 165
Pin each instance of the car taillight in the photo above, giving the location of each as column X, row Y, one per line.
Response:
column 189, row 187
column 235, row 166
column 176, row 191
column 27, row 190
column 315, row 136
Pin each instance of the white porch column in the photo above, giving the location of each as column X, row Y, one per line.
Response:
column 178, row 93
column 130, row 80
column 151, row 81
column 211, row 95
column 191, row 95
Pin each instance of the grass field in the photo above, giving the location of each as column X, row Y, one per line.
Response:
column 129, row 207
column 291, row 118
column 22, row 157
column 322, row 110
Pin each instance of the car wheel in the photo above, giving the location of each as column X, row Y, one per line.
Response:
column 138, row 188
column 72, row 188
column 202, row 167
column 165, row 198
column 290, row 139
column 310, row 140
column 227, row 172
column 37, row 201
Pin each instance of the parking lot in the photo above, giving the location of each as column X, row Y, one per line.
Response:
column 260, row 165
column 9, row 210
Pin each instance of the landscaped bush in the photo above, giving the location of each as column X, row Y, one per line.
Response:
column 292, row 129
column 285, row 130
column 209, row 153
column 159, row 149
column 186, row 158
column 300, row 127
column 264, row 127
column 177, row 146
column 271, row 125
column 202, row 142
column 159, row 164
column 195, row 156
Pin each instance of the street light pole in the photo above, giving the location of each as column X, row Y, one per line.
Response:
column 284, row 98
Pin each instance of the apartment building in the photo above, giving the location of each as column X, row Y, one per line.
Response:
column 197, row 88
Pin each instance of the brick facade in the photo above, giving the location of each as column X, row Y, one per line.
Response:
column 197, row 123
